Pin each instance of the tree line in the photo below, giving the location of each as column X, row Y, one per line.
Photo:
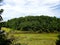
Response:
column 34, row 23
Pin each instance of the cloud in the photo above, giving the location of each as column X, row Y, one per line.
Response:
column 56, row 10
column 17, row 8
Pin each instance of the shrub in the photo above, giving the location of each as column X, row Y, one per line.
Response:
column 58, row 41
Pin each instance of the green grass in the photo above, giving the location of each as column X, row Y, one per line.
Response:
column 37, row 39
column 6, row 29
column 34, row 39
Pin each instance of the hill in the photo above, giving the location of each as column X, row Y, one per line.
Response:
column 37, row 24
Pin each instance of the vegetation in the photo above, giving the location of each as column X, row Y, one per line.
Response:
column 32, row 39
column 1, row 0
column 58, row 41
column 34, row 24
column 3, row 35
column 37, row 24
column 4, row 40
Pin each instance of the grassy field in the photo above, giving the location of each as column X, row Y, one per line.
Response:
column 34, row 39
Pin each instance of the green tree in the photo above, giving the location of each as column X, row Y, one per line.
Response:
column 58, row 41
column 35, row 23
column 3, row 39
column 0, row 14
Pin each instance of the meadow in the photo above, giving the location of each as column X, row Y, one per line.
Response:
column 33, row 39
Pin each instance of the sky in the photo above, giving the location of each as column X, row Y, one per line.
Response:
column 21, row 8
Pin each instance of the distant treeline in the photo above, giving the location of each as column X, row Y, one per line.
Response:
column 34, row 23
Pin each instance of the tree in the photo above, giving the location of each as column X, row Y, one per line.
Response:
column 35, row 23
column 1, row 11
column 1, row 1
column 58, row 41
column 1, row 18
column 3, row 39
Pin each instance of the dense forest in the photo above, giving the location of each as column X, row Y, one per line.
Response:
column 34, row 23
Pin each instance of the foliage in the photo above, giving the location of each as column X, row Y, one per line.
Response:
column 1, row 1
column 32, row 39
column 3, row 35
column 34, row 23
column 58, row 41
column 3, row 38
column 35, row 39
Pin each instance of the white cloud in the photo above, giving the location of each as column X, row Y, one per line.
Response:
column 16, row 8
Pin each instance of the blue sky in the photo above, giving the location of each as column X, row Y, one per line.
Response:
column 19, row 8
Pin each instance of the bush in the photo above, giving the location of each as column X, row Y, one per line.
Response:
column 3, row 39
column 58, row 41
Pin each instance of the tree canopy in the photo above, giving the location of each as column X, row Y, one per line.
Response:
column 34, row 23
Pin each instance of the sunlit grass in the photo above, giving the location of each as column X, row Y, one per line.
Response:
column 34, row 39
column 6, row 29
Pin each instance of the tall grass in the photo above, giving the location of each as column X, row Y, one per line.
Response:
column 33, row 39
